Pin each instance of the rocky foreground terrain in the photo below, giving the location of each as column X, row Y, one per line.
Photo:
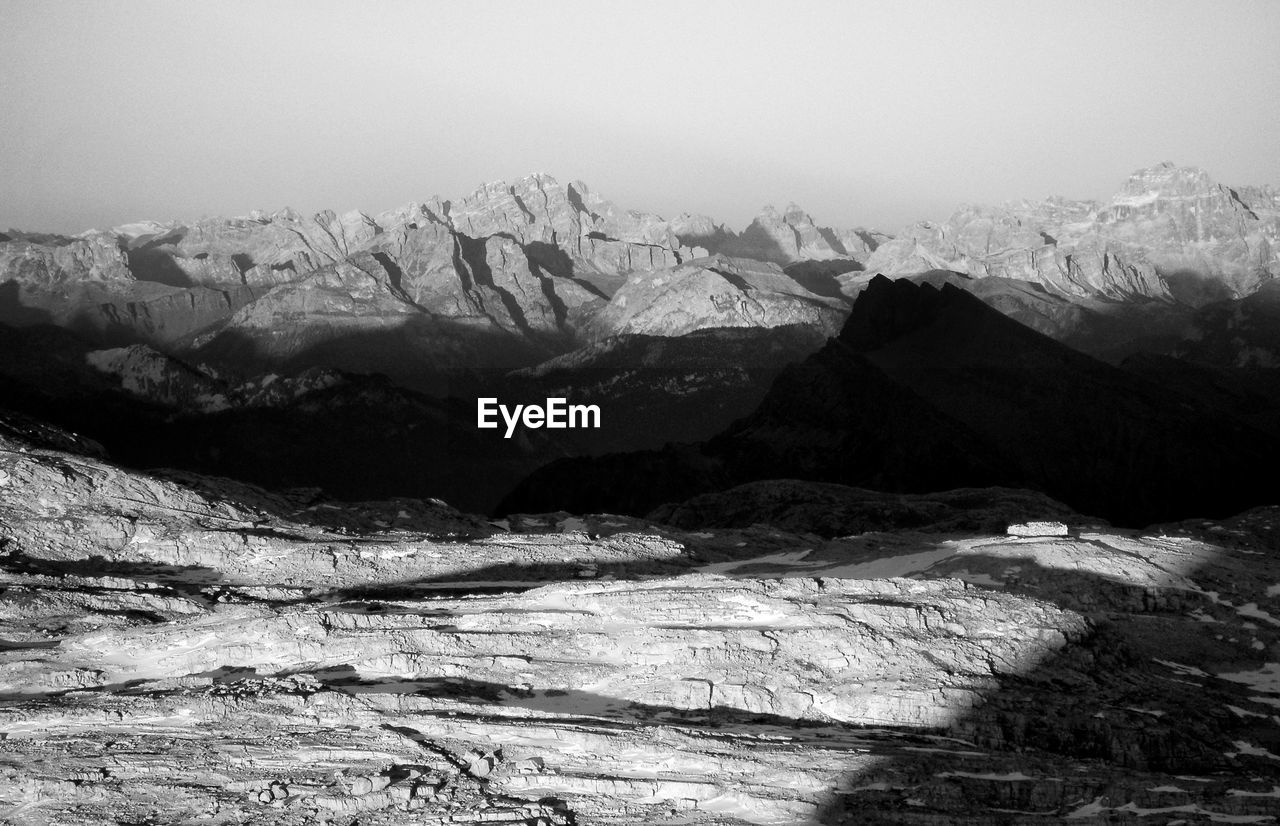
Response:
column 186, row 649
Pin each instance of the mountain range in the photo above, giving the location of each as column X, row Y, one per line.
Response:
column 346, row 351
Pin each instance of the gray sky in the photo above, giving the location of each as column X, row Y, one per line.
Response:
column 872, row 113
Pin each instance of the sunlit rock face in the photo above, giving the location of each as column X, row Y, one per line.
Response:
column 89, row 284
column 533, row 266
column 1171, row 232
column 261, row 249
column 532, row 260
column 595, row 235
column 47, row 262
column 717, row 291
column 516, row 273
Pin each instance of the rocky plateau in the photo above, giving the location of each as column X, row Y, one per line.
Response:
column 186, row 649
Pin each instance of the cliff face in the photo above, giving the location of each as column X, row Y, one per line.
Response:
column 1170, row 232
column 719, row 292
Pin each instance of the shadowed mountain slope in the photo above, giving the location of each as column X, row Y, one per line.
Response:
column 927, row 389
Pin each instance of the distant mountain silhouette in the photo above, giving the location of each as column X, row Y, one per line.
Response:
column 927, row 389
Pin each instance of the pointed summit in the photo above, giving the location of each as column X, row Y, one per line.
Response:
column 1166, row 180
column 786, row 237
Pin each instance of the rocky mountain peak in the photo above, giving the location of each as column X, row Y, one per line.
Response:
column 939, row 313
column 887, row 308
column 1168, row 181
column 284, row 214
column 795, row 214
column 788, row 236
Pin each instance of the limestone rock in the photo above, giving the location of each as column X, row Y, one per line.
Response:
column 786, row 237
column 49, row 262
column 717, row 291
column 924, row 677
column 260, row 249
column 594, row 235
column 1171, row 232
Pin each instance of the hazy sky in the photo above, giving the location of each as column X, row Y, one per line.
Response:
column 872, row 113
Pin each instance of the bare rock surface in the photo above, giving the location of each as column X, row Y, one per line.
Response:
column 184, row 649
column 791, row 235
column 715, row 292
column 525, row 259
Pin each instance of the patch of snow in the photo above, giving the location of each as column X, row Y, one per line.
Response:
column 1249, row 749
column 1092, row 809
column 1216, row 817
column 1003, row 778
column 1275, row 792
column 1188, row 670
column 1251, row 609
column 1266, row 679
column 1217, row 600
